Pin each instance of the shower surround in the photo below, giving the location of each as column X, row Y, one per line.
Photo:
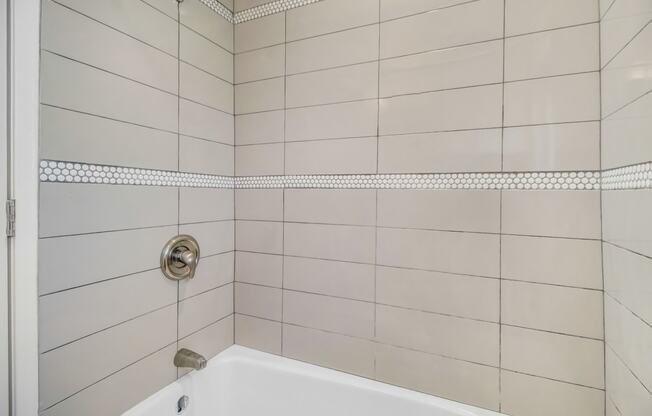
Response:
column 404, row 190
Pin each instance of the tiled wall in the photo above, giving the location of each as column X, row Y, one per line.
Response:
column 626, row 48
column 489, row 297
column 143, row 84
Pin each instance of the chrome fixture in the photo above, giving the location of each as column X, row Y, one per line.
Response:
column 185, row 358
column 180, row 257
column 182, row 404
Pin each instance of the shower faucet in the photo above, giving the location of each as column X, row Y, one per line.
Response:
column 180, row 257
column 184, row 358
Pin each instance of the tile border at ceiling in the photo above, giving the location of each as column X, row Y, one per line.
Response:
column 270, row 8
column 89, row 173
column 257, row 12
column 219, row 8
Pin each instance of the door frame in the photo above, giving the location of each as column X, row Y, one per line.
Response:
column 24, row 56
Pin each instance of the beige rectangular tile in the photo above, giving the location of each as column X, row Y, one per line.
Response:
column 392, row 9
column 260, row 127
column 457, row 67
column 552, row 213
column 75, row 86
column 626, row 279
column 84, row 208
column 441, row 210
column 356, row 82
column 198, row 86
column 170, row 9
column 467, row 23
column 561, row 99
column 260, row 33
column 624, row 390
column 260, row 64
column 204, row 54
column 124, row 389
column 332, row 121
column 118, row 347
column 259, row 159
column 555, row 52
column 212, row 272
column 260, row 301
column 72, row 314
column 71, row 34
column 622, row 79
column 213, row 237
column 525, row 16
column 261, row 269
column 327, row 277
column 620, row 24
column 259, row 236
column 259, row 334
column 64, row 136
column 554, row 356
column 204, row 122
column 530, row 396
column 330, row 16
column 465, row 253
column 460, row 151
column 556, row 261
column 211, row 340
column 260, row 96
column 160, row 31
column 626, row 221
column 625, row 139
column 205, row 204
column 448, row 336
column 556, row 147
column 339, row 156
column 444, row 377
column 460, row 109
column 338, row 49
column 141, row 251
column 333, row 242
column 211, row 25
column 203, row 156
column 552, row 308
column 259, row 204
column 630, row 338
column 464, row 296
column 333, row 206
column 340, row 352
column 200, row 311
column 343, row 316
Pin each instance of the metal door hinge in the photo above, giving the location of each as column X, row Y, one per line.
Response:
column 11, row 218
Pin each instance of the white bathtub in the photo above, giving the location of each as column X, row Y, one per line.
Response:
column 245, row 382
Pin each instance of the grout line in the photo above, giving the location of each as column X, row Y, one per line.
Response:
column 500, row 219
column 235, row 205
column 604, row 324
column 285, row 95
column 178, row 283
